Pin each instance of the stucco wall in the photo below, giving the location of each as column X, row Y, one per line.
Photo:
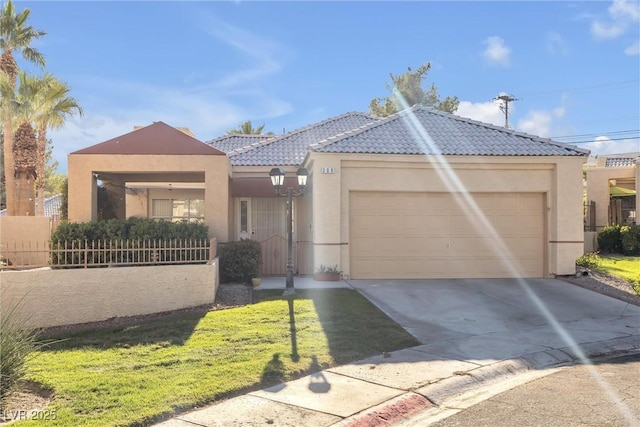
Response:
column 19, row 233
column 213, row 170
column 558, row 178
column 598, row 189
column 64, row 297
column 638, row 190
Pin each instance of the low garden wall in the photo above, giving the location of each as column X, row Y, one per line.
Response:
column 590, row 241
column 46, row 297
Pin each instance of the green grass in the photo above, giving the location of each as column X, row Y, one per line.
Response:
column 138, row 373
column 626, row 267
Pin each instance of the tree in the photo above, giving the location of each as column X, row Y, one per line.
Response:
column 15, row 35
column 25, row 147
column 3, row 195
column 37, row 104
column 406, row 91
column 246, row 128
column 51, row 106
column 54, row 181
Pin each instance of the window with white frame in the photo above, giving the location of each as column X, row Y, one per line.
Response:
column 176, row 210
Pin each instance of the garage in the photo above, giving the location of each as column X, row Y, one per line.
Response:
column 409, row 235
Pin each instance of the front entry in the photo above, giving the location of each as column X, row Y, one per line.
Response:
column 264, row 219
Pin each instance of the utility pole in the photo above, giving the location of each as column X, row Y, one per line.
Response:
column 504, row 107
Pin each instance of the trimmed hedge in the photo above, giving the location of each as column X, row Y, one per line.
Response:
column 631, row 240
column 239, row 261
column 132, row 229
column 623, row 239
column 610, row 240
column 139, row 232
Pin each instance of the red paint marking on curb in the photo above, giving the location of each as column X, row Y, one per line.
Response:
column 391, row 414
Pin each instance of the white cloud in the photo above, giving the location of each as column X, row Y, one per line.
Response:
column 622, row 13
column 538, row 122
column 624, row 9
column 262, row 54
column 486, row 112
column 496, row 53
column 604, row 145
column 208, row 107
column 556, row 44
column 208, row 113
column 633, row 49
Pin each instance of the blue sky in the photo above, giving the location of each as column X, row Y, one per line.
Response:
column 573, row 66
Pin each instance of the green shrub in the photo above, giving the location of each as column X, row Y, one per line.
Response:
column 610, row 239
column 630, row 241
column 239, row 261
column 17, row 342
column 590, row 260
column 101, row 233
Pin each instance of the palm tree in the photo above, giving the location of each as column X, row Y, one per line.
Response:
column 50, row 109
column 246, row 128
column 25, row 147
column 15, row 35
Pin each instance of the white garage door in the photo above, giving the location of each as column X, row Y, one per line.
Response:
column 429, row 235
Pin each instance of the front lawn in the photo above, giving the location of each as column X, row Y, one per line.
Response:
column 135, row 374
column 626, row 267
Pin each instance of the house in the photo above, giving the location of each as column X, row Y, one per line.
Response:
column 420, row 194
column 612, row 183
column 52, row 207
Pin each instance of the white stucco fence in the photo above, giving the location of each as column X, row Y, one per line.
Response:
column 48, row 298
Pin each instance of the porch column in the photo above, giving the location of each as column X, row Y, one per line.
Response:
column 326, row 195
column 566, row 228
column 83, row 194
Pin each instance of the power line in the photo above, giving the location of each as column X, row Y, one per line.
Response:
column 608, row 139
column 623, row 83
column 617, row 132
column 504, row 107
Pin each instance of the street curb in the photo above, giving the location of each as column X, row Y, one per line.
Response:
column 471, row 387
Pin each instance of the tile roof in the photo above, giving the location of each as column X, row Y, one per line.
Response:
column 52, row 207
column 228, row 143
column 158, row 138
column 422, row 130
column 291, row 148
column 619, row 162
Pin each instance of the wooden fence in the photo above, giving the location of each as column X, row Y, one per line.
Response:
column 105, row 253
column 589, row 212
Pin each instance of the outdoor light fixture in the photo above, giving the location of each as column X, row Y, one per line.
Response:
column 302, row 177
column 277, row 179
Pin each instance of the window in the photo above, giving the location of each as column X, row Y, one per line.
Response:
column 244, row 218
column 175, row 210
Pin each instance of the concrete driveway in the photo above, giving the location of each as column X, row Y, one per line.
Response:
column 487, row 320
column 479, row 337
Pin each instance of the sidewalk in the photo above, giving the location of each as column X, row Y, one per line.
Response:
column 408, row 386
column 388, row 389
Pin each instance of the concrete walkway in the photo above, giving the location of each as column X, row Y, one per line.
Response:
column 478, row 336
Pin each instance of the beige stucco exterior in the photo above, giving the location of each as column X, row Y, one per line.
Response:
column 559, row 179
column 118, row 170
column 24, row 240
column 46, row 298
column 599, row 179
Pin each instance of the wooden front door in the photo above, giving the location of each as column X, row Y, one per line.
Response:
column 268, row 226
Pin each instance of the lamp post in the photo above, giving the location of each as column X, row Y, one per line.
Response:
column 277, row 179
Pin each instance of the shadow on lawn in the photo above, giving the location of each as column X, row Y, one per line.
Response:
column 164, row 329
column 354, row 327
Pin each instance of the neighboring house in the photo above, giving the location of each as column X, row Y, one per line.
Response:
column 419, row 194
column 612, row 183
column 52, row 207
